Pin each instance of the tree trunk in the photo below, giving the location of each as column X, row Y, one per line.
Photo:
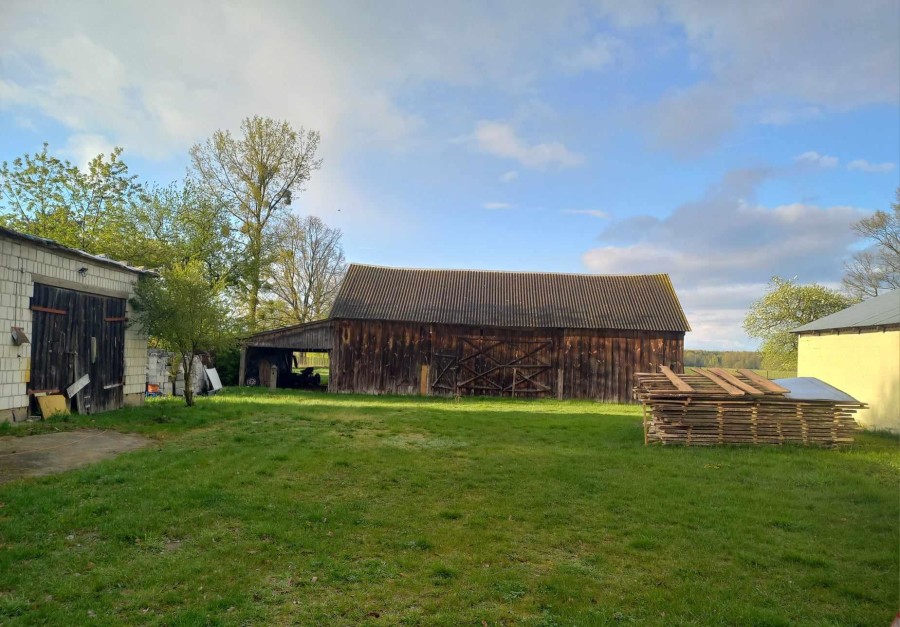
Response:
column 188, row 361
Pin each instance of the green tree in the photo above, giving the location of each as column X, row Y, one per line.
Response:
column 185, row 313
column 305, row 274
column 178, row 223
column 88, row 209
column 786, row 306
column 877, row 268
column 252, row 177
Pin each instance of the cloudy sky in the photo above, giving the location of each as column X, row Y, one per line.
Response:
column 721, row 142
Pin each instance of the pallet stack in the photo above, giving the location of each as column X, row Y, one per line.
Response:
column 714, row 406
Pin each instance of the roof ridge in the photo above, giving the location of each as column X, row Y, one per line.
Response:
column 482, row 270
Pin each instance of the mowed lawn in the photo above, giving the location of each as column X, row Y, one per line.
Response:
column 306, row 508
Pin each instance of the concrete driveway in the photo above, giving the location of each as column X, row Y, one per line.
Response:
column 37, row 455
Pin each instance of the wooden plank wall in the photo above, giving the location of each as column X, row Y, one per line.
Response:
column 62, row 345
column 384, row 357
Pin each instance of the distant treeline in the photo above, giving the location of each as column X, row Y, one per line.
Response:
column 723, row 359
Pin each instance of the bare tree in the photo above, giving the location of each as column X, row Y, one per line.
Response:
column 307, row 271
column 252, row 177
column 878, row 268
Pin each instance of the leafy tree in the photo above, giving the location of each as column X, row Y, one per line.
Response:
column 876, row 269
column 252, row 177
column 186, row 313
column 87, row 209
column 786, row 306
column 179, row 224
column 306, row 273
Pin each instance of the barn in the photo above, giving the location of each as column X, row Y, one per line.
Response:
column 857, row 350
column 67, row 313
column 473, row 332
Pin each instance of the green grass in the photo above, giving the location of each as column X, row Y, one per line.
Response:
column 314, row 509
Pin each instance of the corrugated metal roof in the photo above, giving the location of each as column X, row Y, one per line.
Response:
column 645, row 302
column 305, row 336
column 880, row 311
column 55, row 246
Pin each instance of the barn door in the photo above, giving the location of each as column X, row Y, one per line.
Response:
column 494, row 366
column 77, row 334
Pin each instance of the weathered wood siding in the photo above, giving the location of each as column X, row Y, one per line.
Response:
column 384, row 357
column 76, row 333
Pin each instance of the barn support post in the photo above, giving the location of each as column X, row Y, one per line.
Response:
column 559, row 384
column 242, row 369
column 423, row 380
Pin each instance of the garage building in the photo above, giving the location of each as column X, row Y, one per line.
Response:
column 65, row 313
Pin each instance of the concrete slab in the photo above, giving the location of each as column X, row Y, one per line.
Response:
column 37, row 455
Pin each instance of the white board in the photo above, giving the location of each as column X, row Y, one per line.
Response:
column 76, row 387
column 214, row 379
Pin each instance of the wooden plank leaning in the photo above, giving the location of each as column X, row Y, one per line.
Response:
column 733, row 391
column 680, row 385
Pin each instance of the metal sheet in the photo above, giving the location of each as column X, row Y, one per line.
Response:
column 813, row 389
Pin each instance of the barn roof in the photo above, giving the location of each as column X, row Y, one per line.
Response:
column 645, row 302
column 880, row 311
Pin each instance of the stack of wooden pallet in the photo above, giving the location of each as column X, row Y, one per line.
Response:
column 715, row 406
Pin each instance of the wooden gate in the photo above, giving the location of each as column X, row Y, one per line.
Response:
column 494, row 367
column 77, row 334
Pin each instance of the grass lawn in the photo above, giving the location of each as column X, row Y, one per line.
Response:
column 307, row 508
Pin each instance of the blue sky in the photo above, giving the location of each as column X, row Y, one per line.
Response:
column 720, row 142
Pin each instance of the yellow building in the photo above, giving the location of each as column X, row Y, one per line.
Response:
column 857, row 350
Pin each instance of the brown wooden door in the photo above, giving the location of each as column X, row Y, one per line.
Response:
column 495, row 366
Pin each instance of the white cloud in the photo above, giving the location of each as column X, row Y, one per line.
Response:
column 81, row 148
column 596, row 213
column 501, row 140
column 814, row 159
column 596, row 54
column 776, row 62
column 864, row 166
column 722, row 249
column 497, row 205
column 509, row 177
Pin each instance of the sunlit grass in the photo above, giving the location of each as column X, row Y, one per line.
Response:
column 259, row 507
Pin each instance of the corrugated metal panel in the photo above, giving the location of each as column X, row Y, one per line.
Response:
column 880, row 311
column 510, row 299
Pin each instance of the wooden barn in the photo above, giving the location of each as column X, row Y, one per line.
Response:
column 470, row 332
column 67, row 314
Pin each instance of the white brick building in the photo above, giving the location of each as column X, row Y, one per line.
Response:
column 84, row 329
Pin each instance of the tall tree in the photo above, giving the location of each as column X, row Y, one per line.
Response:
column 185, row 313
column 876, row 269
column 306, row 273
column 786, row 306
column 87, row 209
column 252, row 177
column 179, row 224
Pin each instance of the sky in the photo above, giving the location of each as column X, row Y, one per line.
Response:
column 720, row 142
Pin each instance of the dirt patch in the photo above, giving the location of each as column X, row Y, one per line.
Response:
column 37, row 455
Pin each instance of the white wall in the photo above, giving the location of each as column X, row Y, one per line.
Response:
column 21, row 263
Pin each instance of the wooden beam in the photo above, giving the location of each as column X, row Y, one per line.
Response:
column 733, row 380
column 763, row 382
column 733, row 391
column 680, row 385
column 50, row 310
column 242, row 369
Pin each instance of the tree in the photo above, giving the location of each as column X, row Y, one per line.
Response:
column 87, row 209
column 306, row 273
column 180, row 224
column 786, row 306
column 876, row 269
column 185, row 312
column 252, row 177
